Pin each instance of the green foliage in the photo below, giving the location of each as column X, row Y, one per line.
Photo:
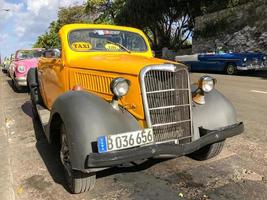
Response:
column 104, row 11
column 50, row 39
column 75, row 14
column 167, row 23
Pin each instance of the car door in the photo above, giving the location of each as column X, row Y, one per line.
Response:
column 51, row 77
column 212, row 62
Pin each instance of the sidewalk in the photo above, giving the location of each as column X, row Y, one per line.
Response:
column 6, row 191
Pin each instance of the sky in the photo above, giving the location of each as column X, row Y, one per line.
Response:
column 26, row 20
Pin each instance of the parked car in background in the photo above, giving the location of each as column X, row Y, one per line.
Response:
column 230, row 63
column 7, row 63
column 4, row 64
column 105, row 101
column 24, row 60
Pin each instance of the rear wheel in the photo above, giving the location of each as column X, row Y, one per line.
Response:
column 208, row 152
column 231, row 69
column 78, row 181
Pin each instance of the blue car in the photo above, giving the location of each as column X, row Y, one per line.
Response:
column 230, row 63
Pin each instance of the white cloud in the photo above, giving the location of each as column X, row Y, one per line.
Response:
column 36, row 7
column 26, row 20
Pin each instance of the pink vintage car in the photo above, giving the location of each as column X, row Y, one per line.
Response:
column 24, row 60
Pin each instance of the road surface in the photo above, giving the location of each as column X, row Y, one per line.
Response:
column 239, row 172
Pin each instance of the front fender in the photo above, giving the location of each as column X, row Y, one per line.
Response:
column 86, row 117
column 216, row 113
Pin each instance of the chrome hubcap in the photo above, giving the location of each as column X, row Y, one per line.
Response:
column 230, row 69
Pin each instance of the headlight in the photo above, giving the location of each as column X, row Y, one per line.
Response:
column 119, row 87
column 21, row 69
column 265, row 57
column 245, row 59
column 207, row 83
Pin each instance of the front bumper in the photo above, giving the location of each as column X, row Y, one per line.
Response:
column 98, row 160
column 253, row 66
column 21, row 81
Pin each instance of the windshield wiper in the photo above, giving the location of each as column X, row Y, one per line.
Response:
column 120, row 45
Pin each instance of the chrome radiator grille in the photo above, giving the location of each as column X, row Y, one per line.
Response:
column 166, row 95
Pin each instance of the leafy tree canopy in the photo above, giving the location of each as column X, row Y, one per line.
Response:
column 104, row 11
column 167, row 23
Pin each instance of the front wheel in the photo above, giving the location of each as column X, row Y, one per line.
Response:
column 208, row 152
column 78, row 181
column 230, row 69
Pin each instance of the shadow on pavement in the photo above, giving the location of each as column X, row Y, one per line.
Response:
column 134, row 167
column 27, row 108
column 49, row 153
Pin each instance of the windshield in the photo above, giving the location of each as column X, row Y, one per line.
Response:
column 29, row 54
column 106, row 40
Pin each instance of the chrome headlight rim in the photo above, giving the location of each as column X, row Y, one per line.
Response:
column 21, row 69
column 207, row 83
column 120, row 87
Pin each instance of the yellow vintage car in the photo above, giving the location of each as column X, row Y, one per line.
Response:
column 105, row 101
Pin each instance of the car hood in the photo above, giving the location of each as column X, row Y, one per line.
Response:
column 125, row 63
column 27, row 62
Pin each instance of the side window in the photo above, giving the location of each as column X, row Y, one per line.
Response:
column 52, row 53
column 135, row 43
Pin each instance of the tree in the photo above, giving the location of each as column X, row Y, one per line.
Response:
column 168, row 23
column 74, row 14
column 104, row 11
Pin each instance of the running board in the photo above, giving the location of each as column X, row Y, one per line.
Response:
column 44, row 115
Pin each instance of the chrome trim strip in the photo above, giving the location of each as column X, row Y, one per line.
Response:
column 175, row 106
column 159, row 91
column 171, row 123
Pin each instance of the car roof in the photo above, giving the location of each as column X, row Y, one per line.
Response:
column 70, row 27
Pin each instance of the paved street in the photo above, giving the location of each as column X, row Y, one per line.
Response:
column 238, row 173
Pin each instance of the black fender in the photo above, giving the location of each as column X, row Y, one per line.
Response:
column 86, row 117
column 216, row 113
column 32, row 78
column 33, row 86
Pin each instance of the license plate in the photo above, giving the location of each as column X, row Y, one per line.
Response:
column 125, row 140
